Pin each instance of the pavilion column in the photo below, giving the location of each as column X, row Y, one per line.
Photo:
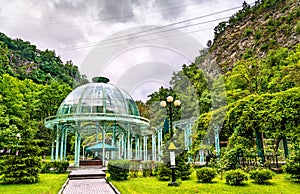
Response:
column 131, row 148
column 62, row 144
column 217, row 141
column 259, row 144
column 78, row 146
column 145, row 148
column 96, row 139
column 119, row 148
column 285, row 147
column 153, row 147
column 65, row 143
column 137, row 142
column 128, row 144
column 201, row 155
column 124, row 146
column 159, row 144
column 76, row 159
column 141, row 148
column 52, row 150
column 57, row 144
column 114, row 141
column 103, row 143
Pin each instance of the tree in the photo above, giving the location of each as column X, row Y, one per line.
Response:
column 21, row 161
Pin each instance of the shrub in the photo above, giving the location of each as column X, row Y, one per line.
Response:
column 18, row 169
column 163, row 173
column 297, row 27
column 292, row 166
column 183, row 168
column 206, row 174
column 134, row 169
column 261, row 176
column 248, row 31
column 70, row 157
column 55, row 166
column 118, row 169
column 147, row 169
column 235, row 177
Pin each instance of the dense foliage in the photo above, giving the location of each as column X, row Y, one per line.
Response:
column 261, row 176
column 206, row 174
column 235, row 177
column 25, row 61
column 23, row 138
column 118, row 169
column 292, row 166
column 55, row 166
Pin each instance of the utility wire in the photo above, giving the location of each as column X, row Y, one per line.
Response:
column 156, row 28
column 141, row 41
column 153, row 29
column 143, row 35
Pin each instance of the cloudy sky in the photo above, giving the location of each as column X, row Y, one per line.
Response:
column 136, row 43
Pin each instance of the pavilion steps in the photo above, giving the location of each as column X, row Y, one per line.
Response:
column 83, row 173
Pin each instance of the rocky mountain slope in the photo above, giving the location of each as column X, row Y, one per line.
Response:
column 256, row 29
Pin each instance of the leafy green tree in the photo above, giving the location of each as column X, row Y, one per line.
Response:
column 21, row 161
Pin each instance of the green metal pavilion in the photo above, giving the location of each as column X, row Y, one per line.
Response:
column 100, row 108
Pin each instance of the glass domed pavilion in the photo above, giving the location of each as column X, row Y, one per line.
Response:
column 99, row 108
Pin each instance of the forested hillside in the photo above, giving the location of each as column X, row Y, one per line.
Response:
column 23, row 60
column 255, row 102
column 33, row 84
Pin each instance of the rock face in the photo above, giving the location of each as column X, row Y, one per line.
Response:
column 261, row 29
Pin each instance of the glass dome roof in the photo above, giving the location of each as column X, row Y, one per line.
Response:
column 98, row 97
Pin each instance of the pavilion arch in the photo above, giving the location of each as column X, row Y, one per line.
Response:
column 95, row 108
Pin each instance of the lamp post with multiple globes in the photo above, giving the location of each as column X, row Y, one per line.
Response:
column 169, row 104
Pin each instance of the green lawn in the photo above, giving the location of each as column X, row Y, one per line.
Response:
column 48, row 184
column 151, row 185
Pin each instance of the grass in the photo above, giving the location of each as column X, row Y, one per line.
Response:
column 151, row 185
column 49, row 183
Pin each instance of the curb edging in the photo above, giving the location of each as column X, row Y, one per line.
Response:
column 113, row 187
column 63, row 187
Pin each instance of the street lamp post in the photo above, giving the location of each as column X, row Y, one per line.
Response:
column 169, row 105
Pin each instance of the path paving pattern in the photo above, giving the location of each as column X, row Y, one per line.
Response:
column 87, row 180
column 88, row 186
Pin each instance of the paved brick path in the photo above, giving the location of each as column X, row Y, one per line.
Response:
column 88, row 186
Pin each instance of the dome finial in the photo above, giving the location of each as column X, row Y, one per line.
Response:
column 100, row 80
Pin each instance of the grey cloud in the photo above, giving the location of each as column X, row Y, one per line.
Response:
column 117, row 11
column 170, row 9
column 72, row 6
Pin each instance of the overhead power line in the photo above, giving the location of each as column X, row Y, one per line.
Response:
column 133, row 35
column 143, row 35
column 141, row 41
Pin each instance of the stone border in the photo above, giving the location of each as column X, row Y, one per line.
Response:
column 113, row 187
column 63, row 187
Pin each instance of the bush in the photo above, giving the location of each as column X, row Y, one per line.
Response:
column 261, row 176
column 16, row 169
column 206, row 174
column 183, row 168
column 70, row 157
column 147, row 169
column 118, row 169
column 297, row 27
column 163, row 173
column 134, row 169
column 292, row 166
column 55, row 166
column 235, row 177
